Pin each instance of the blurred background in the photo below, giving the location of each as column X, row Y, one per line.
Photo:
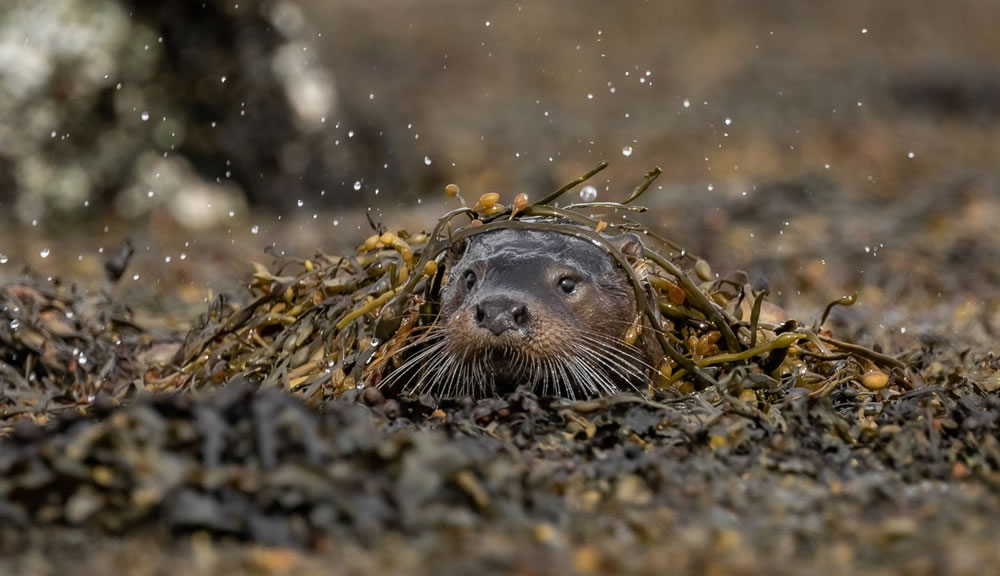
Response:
column 821, row 147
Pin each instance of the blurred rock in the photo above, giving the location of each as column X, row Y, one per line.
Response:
column 92, row 91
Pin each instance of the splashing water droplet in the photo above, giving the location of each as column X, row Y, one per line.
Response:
column 687, row 103
column 357, row 184
column 626, row 151
column 144, row 116
column 300, row 203
column 15, row 324
column 44, row 253
column 3, row 258
column 427, row 160
column 588, row 194
column 255, row 229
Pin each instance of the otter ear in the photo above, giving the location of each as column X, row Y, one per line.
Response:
column 455, row 252
column 628, row 244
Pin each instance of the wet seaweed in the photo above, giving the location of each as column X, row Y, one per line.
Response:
column 328, row 324
column 61, row 347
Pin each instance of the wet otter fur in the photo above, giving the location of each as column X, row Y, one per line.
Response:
column 534, row 308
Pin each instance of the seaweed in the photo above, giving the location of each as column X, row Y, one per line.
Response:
column 328, row 324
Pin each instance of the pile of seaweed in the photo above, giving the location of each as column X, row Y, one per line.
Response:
column 61, row 347
column 324, row 325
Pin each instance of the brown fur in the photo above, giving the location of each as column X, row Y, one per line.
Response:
column 571, row 344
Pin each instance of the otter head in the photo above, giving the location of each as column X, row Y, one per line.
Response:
column 535, row 308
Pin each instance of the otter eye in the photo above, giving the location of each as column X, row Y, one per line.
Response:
column 567, row 284
column 469, row 277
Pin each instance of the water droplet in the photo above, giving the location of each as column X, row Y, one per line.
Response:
column 728, row 121
column 183, row 256
column 3, row 258
column 687, row 103
column 626, row 151
column 371, row 95
column 588, row 193
column 357, row 184
column 53, row 134
column 167, row 259
column 590, row 96
column 300, row 203
column 150, row 194
column 487, row 23
column 15, row 324
column 254, row 229
column 711, row 187
column 144, row 116
column 910, row 155
column 135, row 276
column 864, row 30
column 44, row 253
column 427, row 160
column 223, row 79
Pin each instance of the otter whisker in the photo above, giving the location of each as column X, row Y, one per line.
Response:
column 596, row 378
column 414, row 363
column 453, row 370
column 437, row 371
column 612, row 345
column 565, row 380
column 616, row 371
column 581, row 378
column 612, row 365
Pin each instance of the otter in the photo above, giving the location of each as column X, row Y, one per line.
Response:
column 534, row 308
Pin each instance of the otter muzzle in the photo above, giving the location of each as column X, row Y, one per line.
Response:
column 499, row 314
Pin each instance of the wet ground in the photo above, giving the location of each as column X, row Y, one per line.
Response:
column 823, row 150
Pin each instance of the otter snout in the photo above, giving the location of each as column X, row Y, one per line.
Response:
column 499, row 314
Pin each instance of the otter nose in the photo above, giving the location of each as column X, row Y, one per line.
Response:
column 500, row 313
